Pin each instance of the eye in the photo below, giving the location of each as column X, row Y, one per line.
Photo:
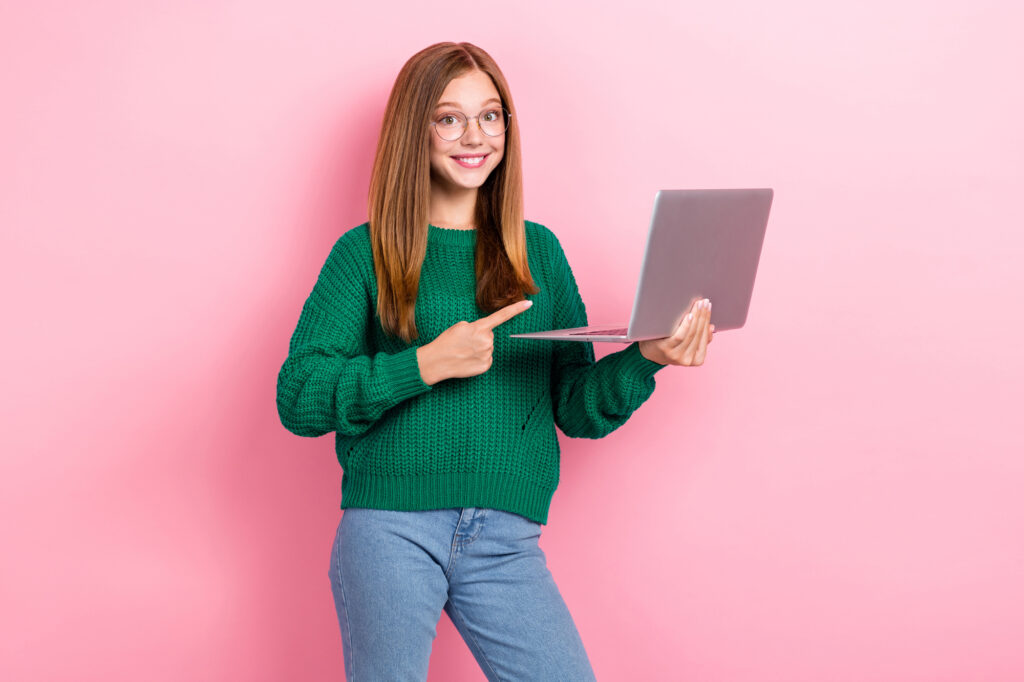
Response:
column 493, row 115
column 449, row 120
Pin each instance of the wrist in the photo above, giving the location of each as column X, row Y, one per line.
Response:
column 428, row 365
column 642, row 346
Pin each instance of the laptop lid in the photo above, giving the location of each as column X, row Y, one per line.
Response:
column 702, row 243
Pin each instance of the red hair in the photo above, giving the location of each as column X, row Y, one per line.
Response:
column 399, row 198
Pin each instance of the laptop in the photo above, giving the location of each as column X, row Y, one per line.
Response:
column 702, row 243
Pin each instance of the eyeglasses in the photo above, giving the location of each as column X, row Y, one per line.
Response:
column 452, row 125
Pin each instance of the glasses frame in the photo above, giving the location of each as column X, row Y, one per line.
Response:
column 465, row 126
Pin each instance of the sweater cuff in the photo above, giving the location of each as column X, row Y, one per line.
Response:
column 402, row 370
column 636, row 364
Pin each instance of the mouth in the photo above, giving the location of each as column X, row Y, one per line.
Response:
column 470, row 160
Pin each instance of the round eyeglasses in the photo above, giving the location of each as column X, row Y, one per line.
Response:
column 452, row 125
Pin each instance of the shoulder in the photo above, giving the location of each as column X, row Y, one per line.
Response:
column 348, row 266
column 352, row 249
column 354, row 240
column 543, row 242
column 541, row 237
column 536, row 231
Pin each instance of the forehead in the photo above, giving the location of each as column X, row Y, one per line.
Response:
column 470, row 91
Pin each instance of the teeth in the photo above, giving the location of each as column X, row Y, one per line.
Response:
column 471, row 160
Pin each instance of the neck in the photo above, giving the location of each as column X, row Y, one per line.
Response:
column 453, row 207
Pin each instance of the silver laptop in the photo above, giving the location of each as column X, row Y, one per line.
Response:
column 702, row 243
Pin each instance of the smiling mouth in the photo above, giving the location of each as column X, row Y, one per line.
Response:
column 471, row 160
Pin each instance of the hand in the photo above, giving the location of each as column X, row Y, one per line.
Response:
column 688, row 344
column 465, row 348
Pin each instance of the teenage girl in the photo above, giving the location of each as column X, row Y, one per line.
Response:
column 445, row 426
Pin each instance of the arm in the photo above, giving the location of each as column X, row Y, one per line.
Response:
column 329, row 381
column 591, row 399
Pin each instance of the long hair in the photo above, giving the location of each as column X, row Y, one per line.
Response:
column 399, row 197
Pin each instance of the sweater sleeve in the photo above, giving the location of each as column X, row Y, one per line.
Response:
column 330, row 381
column 591, row 399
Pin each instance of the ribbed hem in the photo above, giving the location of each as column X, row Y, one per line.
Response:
column 444, row 236
column 635, row 362
column 402, row 370
column 442, row 491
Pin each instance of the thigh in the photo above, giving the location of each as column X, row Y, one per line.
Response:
column 389, row 591
column 504, row 602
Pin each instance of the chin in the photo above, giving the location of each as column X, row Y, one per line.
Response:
column 464, row 184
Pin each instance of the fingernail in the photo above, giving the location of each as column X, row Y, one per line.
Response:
column 528, row 303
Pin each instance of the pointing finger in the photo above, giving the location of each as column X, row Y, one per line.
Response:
column 503, row 314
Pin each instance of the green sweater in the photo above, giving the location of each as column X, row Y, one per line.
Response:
column 483, row 441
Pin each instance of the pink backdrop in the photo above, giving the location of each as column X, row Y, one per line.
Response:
column 834, row 495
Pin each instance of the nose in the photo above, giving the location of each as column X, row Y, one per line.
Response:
column 473, row 134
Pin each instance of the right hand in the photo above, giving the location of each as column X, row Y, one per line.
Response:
column 465, row 348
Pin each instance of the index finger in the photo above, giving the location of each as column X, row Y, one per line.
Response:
column 503, row 314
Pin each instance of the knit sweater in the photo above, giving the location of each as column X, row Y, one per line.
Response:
column 485, row 441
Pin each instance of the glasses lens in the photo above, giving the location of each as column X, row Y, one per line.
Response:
column 450, row 126
column 494, row 121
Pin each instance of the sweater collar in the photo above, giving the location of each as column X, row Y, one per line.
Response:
column 451, row 237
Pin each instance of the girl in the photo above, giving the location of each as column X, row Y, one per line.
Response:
column 445, row 426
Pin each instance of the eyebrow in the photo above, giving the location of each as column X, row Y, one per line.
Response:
column 455, row 104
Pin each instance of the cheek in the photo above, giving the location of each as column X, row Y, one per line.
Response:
column 438, row 147
column 437, row 155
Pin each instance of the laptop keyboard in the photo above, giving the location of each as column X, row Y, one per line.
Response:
column 602, row 332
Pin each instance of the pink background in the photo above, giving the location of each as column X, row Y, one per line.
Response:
column 834, row 495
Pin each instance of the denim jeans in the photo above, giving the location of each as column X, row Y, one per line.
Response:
column 393, row 572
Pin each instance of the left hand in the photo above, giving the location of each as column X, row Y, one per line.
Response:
column 688, row 344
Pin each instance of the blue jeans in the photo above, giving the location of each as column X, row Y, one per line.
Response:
column 392, row 573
